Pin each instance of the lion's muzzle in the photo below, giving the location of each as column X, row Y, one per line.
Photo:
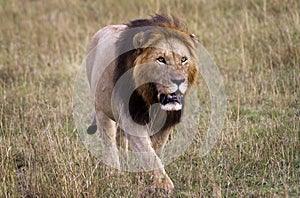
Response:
column 171, row 97
column 170, row 102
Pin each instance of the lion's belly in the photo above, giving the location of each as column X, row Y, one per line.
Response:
column 100, row 66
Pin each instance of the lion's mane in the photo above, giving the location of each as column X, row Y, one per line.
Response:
column 138, row 107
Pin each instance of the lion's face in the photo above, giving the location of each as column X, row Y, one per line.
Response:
column 170, row 66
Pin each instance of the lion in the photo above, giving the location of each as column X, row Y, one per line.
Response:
column 157, row 56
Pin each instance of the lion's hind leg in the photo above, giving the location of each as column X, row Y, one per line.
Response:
column 122, row 143
column 108, row 132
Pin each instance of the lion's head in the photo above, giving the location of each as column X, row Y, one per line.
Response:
column 164, row 56
column 168, row 62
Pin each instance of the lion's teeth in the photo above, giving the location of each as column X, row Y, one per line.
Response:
column 171, row 107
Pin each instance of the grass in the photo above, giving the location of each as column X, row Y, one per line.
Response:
column 256, row 45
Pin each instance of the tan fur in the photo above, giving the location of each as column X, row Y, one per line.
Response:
column 173, row 47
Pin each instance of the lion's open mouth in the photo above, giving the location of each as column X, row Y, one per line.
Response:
column 170, row 102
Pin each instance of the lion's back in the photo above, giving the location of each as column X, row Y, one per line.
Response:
column 101, row 51
column 100, row 65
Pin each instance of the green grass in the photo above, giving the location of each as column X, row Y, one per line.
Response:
column 256, row 45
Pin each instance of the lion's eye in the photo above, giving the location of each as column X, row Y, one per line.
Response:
column 183, row 59
column 161, row 60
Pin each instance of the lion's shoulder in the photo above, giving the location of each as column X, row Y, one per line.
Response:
column 106, row 32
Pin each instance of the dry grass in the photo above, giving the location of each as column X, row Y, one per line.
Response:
column 256, row 45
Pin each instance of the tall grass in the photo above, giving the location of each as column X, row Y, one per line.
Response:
column 256, row 45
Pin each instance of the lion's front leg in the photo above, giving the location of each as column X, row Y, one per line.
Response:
column 159, row 141
column 149, row 159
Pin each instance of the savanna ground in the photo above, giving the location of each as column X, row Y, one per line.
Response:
column 256, row 45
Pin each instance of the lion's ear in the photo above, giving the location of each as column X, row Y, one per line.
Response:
column 138, row 40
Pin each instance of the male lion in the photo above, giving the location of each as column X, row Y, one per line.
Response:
column 157, row 58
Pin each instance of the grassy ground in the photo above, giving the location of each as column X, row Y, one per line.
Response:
column 256, row 45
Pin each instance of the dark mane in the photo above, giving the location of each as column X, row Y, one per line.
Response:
column 158, row 20
column 127, row 56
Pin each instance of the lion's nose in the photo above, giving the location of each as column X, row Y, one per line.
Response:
column 178, row 81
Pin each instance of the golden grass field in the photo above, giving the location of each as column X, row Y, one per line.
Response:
column 256, row 45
